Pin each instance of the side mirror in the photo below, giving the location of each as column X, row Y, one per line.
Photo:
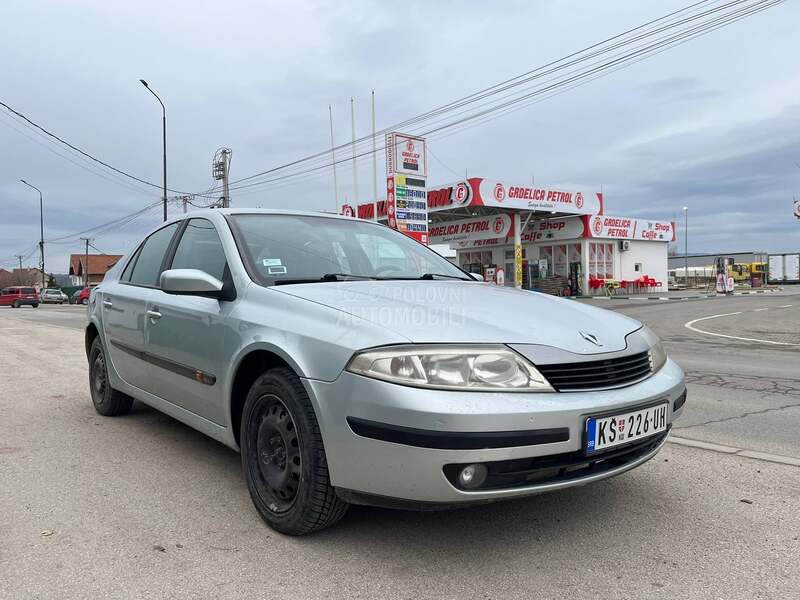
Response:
column 477, row 276
column 190, row 282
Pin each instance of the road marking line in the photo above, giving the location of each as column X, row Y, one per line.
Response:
column 690, row 325
column 786, row 306
column 759, row 309
column 733, row 451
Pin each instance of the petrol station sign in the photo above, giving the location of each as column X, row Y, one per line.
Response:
column 470, row 230
column 406, row 197
column 477, row 191
column 624, row 228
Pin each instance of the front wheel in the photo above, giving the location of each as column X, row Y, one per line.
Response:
column 284, row 458
column 15, row 305
column 85, row 301
column 35, row 306
column 107, row 401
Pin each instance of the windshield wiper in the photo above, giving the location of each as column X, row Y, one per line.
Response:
column 435, row 275
column 326, row 277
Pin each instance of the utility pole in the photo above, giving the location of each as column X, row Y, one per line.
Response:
column 18, row 277
column 221, row 170
column 185, row 199
column 333, row 161
column 86, row 262
column 374, row 163
column 355, row 170
column 41, row 228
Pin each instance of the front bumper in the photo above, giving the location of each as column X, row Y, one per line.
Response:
column 396, row 469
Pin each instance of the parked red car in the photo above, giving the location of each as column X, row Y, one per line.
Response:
column 19, row 296
column 82, row 296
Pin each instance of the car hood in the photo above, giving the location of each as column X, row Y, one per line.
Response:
column 466, row 312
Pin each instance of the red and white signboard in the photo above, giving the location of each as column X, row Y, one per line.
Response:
column 468, row 230
column 797, row 209
column 566, row 228
column 624, row 228
column 347, row 211
column 406, row 196
column 477, row 191
column 405, row 154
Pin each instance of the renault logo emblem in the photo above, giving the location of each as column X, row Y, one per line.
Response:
column 590, row 337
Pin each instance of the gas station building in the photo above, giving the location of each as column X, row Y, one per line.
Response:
column 554, row 240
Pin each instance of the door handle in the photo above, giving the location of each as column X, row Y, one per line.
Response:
column 108, row 303
column 154, row 314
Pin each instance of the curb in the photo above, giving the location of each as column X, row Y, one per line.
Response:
column 665, row 298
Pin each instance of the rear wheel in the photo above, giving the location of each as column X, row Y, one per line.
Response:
column 35, row 306
column 107, row 401
column 85, row 301
column 284, row 459
column 15, row 305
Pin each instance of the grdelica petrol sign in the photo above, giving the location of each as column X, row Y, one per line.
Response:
column 477, row 228
column 624, row 228
column 477, row 191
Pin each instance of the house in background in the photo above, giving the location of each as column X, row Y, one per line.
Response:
column 25, row 276
column 93, row 273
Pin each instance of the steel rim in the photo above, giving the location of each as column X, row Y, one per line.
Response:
column 99, row 377
column 274, row 454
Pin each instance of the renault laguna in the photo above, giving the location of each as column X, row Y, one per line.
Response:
column 349, row 364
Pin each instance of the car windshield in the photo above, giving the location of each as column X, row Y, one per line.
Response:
column 299, row 248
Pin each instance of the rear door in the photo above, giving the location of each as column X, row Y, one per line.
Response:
column 124, row 306
column 185, row 333
column 5, row 297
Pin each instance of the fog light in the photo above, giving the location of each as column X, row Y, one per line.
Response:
column 472, row 476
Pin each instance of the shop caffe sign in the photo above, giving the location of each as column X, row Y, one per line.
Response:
column 476, row 228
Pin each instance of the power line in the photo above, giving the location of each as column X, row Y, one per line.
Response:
column 82, row 152
column 672, row 38
column 599, row 68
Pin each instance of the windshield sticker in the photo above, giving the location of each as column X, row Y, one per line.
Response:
column 271, row 262
column 277, row 270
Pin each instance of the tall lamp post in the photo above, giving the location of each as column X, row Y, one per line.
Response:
column 41, row 228
column 686, row 245
column 164, row 140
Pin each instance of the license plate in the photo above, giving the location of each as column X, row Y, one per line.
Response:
column 603, row 433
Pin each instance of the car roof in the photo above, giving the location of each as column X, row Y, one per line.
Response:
column 266, row 211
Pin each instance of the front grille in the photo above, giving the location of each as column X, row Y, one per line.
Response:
column 597, row 374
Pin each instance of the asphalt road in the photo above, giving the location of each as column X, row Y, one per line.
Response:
column 144, row 507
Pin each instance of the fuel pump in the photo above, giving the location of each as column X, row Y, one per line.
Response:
column 725, row 281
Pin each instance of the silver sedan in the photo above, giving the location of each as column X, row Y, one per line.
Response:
column 350, row 364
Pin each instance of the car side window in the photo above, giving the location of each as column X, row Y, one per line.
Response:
column 126, row 274
column 147, row 269
column 200, row 248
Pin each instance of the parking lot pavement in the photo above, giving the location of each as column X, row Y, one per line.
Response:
column 743, row 392
column 144, row 507
column 61, row 315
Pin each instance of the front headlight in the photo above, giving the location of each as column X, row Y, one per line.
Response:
column 657, row 354
column 446, row 367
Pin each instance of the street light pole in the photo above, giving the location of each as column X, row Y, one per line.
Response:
column 686, row 245
column 41, row 227
column 163, row 139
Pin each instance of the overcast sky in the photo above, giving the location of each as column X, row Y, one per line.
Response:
column 713, row 124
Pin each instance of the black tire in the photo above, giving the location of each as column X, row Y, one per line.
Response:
column 35, row 305
column 85, row 301
column 15, row 305
column 107, row 401
column 284, row 459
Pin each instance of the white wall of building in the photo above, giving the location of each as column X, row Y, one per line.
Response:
column 650, row 256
